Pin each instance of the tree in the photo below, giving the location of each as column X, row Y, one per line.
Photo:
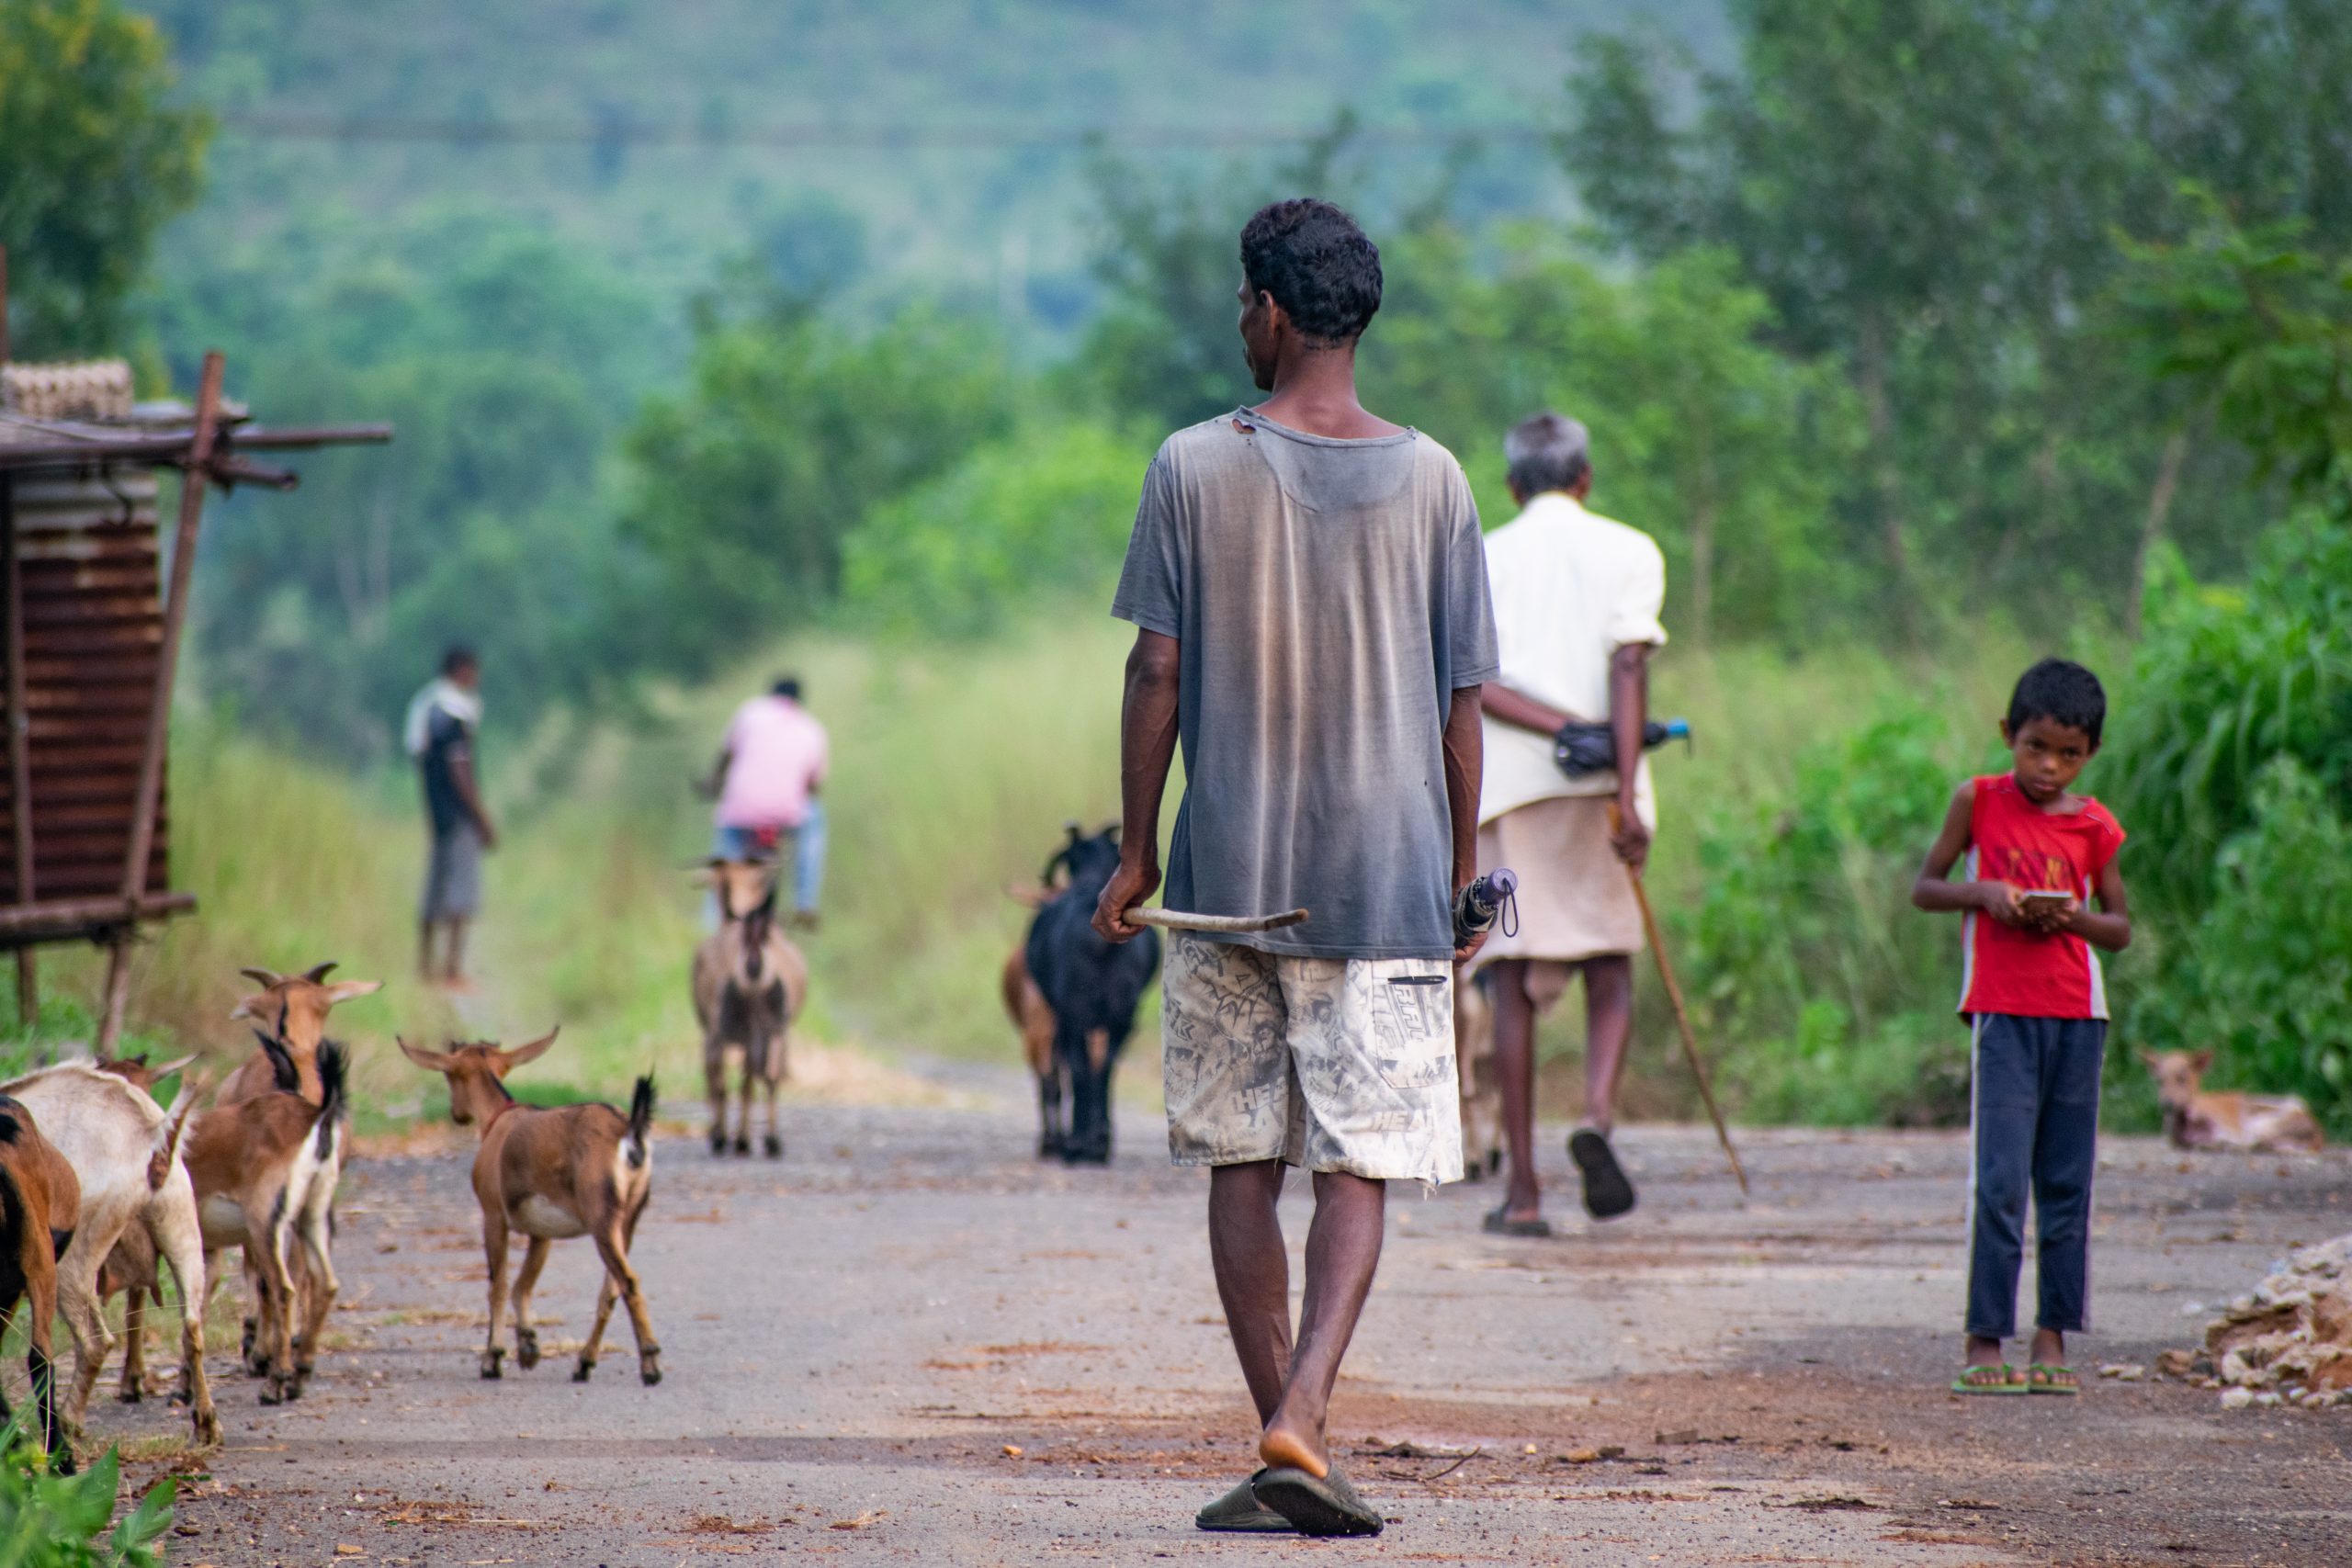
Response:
column 743, row 487
column 96, row 160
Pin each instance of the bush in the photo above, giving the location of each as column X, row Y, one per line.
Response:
column 2265, row 979
column 2226, row 681
column 1803, row 948
column 54, row 1521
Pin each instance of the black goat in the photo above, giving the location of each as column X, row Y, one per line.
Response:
column 1093, row 987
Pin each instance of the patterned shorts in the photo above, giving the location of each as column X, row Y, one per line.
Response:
column 1326, row 1063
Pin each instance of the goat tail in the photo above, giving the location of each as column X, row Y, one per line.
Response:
column 164, row 1153
column 334, row 1063
column 641, row 1122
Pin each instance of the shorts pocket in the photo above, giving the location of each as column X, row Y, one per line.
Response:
column 1412, row 1029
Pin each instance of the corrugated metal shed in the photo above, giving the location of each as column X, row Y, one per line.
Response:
column 93, row 619
column 92, row 608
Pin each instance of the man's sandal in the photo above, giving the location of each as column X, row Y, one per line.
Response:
column 2001, row 1377
column 1318, row 1506
column 2049, row 1377
column 1238, row 1512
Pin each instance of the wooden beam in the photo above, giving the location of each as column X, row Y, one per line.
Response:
column 159, row 709
column 20, row 765
column 82, row 918
column 146, row 805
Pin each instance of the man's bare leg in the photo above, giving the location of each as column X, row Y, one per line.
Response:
column 1515, row 1072
column 1342, row 1251
column 1252, row 1274
column 425, row 951
column 457, row 971
column 1609, row 1024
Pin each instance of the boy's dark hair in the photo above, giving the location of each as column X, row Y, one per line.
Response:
column 785, row 686
column 1320, row 268
column 2063, row 691
column 456, row 657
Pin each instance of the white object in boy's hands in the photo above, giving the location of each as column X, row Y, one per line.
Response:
column 2041, row 898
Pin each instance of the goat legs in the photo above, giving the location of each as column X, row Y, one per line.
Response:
column 611, row 1248
column 133, row 1387
column 606, row 1294
column 714, row 1073
column 185, row 1254
column 77, row 1300
column 277, row 1281
column 36, row 1270
column 319, row 1296
column 526, row 1278
column 494, row 1244
column 769, row 1082
column 1050, row 1136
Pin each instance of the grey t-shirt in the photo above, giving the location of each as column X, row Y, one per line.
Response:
column 1330, row 596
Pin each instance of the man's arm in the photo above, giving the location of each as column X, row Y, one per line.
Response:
column 715, row 784
column 461, row 774
column 1629, row 715
column 1518, row 710
column 1147, row 750
column 1935, row 893
column 1465, row 749
column 2109, row 926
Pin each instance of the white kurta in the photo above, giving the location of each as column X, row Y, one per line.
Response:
column 1569, row 589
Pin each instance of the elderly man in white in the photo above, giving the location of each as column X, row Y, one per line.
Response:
column 1577, row 600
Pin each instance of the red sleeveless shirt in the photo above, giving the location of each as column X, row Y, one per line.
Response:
column 2022, row 972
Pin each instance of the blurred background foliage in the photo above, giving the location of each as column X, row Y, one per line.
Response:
column 1925, row 338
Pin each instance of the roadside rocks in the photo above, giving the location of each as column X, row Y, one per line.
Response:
column 2286, row 1343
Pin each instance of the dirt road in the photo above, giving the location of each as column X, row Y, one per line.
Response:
column 908, row 1342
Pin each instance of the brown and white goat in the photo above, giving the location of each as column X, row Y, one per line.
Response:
column 40, row 1203
column 124, row 1150
column 293, row 1008
column 2256, row 1124
column 131, row 1269
column 264, row 1171
column 750, row 983
column 552, row 1172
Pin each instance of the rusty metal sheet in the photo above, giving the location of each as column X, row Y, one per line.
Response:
column 89, row 569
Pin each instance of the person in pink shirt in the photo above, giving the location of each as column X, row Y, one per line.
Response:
column 766, row 781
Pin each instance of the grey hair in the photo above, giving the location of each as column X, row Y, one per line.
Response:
column 1550, row 451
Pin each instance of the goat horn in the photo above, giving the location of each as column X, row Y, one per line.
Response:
column 317, row 973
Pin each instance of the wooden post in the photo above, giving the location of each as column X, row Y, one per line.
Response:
column 159, row 711
column 20, row 766
column 4, row 304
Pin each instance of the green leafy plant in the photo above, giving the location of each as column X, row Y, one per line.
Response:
column 56, row 1521
column 1804, row 947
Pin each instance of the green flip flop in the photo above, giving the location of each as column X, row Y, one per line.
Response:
column 2042, row 1377
column 1238, row 1512
column 1971, row 1380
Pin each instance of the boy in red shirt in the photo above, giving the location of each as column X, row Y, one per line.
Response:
column 2037, row 855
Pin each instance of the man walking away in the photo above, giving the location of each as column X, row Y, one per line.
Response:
column 1313, row 626
column 1576, row 601
column 766, row 780
column 443, row 719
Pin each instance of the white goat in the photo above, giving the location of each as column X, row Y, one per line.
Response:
column 124, row 1149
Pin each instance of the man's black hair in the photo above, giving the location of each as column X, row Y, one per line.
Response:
column 787, row 686
column 2061, row 691
column 1318, row 266
column 456, row 657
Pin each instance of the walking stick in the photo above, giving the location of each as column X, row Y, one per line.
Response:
column 1180, row 921
column 1682, row 1014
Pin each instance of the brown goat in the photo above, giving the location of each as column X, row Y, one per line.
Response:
column 552, row 1172
column 264, row 1171
column 750, row 983
column 292, row 1008
column 40, row 1203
